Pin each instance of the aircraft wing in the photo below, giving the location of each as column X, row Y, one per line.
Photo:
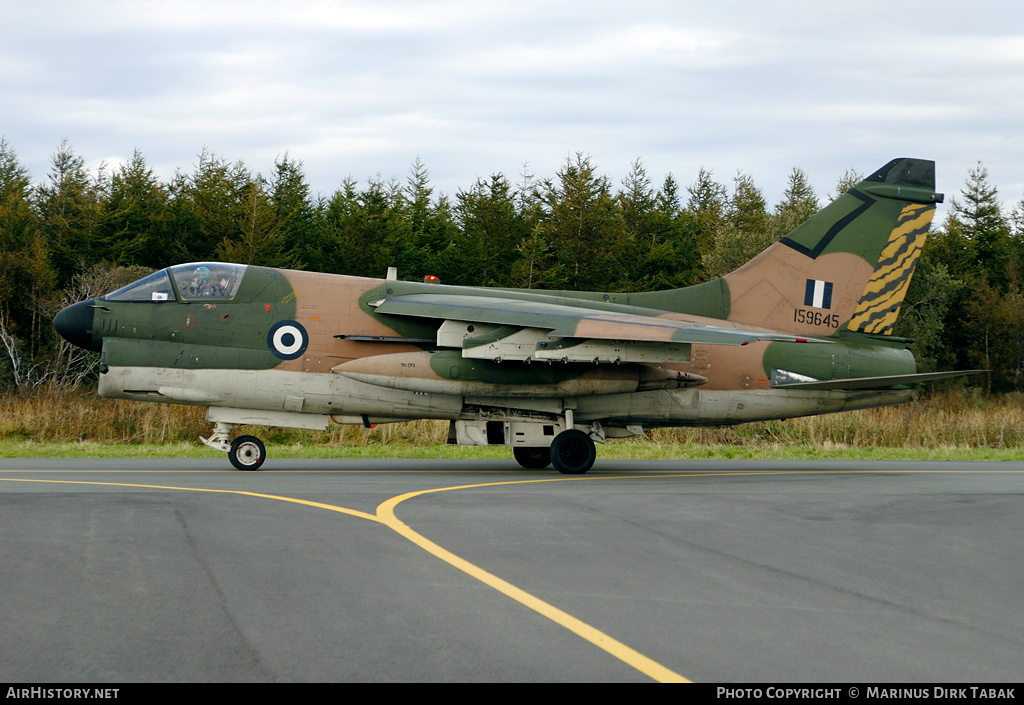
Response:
column 509, row 328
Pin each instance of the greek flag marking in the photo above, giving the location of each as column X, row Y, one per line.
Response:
column 818, row 294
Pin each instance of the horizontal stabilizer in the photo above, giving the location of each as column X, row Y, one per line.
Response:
column 877, row 382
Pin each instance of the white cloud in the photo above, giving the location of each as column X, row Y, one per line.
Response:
column 477, row 87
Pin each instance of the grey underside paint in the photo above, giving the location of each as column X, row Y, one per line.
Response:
column 330, row 394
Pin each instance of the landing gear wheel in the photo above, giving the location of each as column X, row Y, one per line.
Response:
column 573, row 452
column 247, row 453
column 532, row 458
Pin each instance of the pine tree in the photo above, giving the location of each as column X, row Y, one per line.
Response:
column 663, row 253
column 707, row 206
column 745, row 232
column 296, row 219
column 18, row 232
column 581, row 226
column 430, row 225
column 643, row 239
column 535, row 266
column 849, row 179
column 367, row 231
column 490, row 226
column 69, row 208
column 206, row 208
column 260, row 239
column 27, row 278
column 681, row 267
column 798, row 204
column 132, row 226
column 976, row 220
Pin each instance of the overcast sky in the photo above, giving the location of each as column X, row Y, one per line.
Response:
column 474, row 87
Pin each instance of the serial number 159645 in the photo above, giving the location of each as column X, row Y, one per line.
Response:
column 815, row 318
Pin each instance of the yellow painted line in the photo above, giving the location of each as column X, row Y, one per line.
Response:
column 629, row 656
column 293, row 500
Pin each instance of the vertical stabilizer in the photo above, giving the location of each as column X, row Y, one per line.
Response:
column 847, row 266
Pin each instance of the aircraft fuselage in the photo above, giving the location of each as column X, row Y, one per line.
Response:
column 337, row 357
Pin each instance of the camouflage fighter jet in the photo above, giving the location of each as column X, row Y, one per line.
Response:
column 804, row 328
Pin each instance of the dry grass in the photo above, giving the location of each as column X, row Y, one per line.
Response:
column 52, row 416
column 953, row 419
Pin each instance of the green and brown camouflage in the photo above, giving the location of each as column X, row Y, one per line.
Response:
column 803, row 328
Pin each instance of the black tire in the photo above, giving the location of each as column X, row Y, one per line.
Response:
column 533, row 458
column 247, row 453
column 573, row 452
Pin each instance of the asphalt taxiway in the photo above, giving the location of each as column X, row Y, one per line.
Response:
column 340, row 570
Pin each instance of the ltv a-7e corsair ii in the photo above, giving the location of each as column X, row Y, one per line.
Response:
column 803, row 328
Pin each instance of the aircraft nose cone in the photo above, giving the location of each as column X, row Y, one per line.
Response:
column 75, row 325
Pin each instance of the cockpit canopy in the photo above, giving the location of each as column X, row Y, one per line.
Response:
column 198, row 281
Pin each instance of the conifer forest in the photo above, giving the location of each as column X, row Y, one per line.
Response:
column 76, row 233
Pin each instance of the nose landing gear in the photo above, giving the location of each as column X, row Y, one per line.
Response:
column 245, row 452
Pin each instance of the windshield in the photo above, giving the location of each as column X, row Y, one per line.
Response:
column 155, row 287
column 208, row 280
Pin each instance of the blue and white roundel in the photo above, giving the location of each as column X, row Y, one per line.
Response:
column 287, row 339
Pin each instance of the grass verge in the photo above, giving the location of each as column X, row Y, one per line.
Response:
column 954, row 425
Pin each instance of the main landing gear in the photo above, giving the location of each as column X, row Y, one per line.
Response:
column 572, row 452
column 533, row 458
column 245, row 452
